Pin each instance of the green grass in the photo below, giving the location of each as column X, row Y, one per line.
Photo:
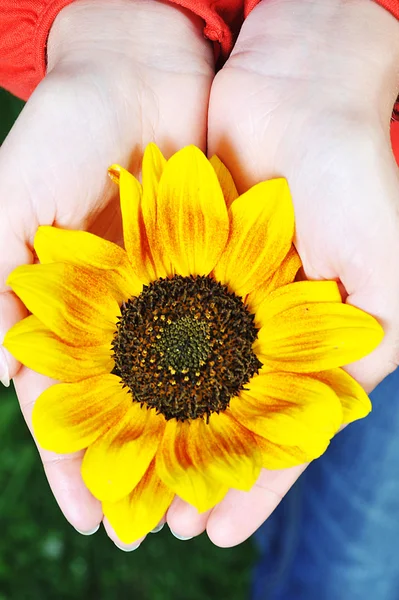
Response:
column 42, row 557
column 10, row 108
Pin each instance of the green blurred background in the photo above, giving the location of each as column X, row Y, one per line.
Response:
column 43, row 557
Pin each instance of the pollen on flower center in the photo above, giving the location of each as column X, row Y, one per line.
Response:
column 184, row 347
column 184, row 343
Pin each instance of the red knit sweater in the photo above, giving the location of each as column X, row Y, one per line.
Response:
column 25, row 24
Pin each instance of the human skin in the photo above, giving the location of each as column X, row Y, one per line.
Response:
column 306, row 94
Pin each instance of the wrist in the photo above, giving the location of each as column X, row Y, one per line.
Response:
column 112, row 33
column 323, row 53
column 368, row 63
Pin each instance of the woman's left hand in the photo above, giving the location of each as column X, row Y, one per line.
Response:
column 307, row 94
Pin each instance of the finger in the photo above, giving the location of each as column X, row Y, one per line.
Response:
column 11, row 311
column 13, row 252
column 184, row 521
column 135, row 544
column 240, row 514
column 160, row 526
column 118, row 543
column 80, row 508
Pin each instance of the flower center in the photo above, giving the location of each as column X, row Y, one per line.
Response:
column 184, row 347
column 184, row 344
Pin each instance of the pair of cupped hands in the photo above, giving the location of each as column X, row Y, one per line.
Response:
column 307, row 94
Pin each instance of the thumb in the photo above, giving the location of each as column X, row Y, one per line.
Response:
column 22, row 184
column 367, row 246
column 13, row 252
column 379, row 295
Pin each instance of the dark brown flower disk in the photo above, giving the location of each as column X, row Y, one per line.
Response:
column 184, row 347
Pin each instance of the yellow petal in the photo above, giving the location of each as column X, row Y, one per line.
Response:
column 225, row 179
column 87, row 250
column 192, row 215
column 354, row 400
column 134, row 234
column 154, row 164
column 39, row 349
column 116, row 462
column 153, row 167
column 281, row 457
column 290, row 409
column 316, row 337
column 140, row 512
column 69, row 417
column 261, row 233
column 284, row 275
column 293, row 295
column 176, row 466
column 76, row 304
column 222, row 450
column 227, row 451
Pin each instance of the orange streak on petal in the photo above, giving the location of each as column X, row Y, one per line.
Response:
column 137, row 514
column 176, row 467
column 116, row 462
column 290, row 409
column 296, row 294
column 227, row 451
column 192, row 214
column 316, row 337
column 39, row 349
column 76, row 304
column 283, row 276
column 261, row 234
column 69, row 417
column 225, row 179
column 114, row 173
column 355, row 402
column 153, row 167
column 194, row 453
column 87, row 250
column 134, row 233
column 275, row 457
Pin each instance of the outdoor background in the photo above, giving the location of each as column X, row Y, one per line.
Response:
column 43, row 557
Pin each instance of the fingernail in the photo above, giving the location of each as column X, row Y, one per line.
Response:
column 181, row 537
column 127, row 548
column 4, row 373
column 158, row 528
column 91, row 532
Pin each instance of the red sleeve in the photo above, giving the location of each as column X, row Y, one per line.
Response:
column 223, row 18
column 391, row 5
column 24, row 27
column 395, row 139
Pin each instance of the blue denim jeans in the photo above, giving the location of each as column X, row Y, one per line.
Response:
column 335, row 536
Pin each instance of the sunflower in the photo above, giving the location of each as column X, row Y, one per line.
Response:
column 192, row 358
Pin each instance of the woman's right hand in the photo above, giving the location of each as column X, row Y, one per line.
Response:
column 120, row 75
